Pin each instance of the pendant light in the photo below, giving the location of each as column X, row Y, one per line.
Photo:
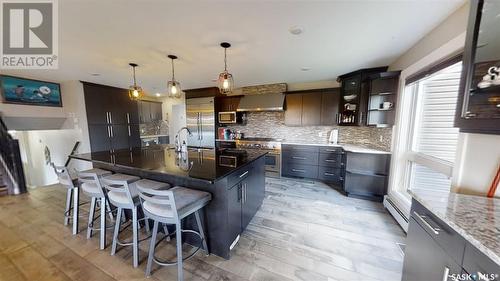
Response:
column 135, row 92
column 225, row 80
column 173, row 87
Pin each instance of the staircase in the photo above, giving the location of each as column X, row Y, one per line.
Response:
column 12, row 179
column 3, row 187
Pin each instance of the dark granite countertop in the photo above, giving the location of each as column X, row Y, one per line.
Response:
column 476, row 218
column 202, row 164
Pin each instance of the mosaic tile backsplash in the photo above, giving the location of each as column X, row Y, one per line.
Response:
column 272, row 125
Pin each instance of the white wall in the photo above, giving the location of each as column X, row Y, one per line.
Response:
column 478, row 155
column 449, row 29
column 60, row 142
column 177, row 120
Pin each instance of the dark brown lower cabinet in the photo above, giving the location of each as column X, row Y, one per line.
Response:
column 435, row 251
column 362, row 175
column 313, row 162
column 366, row 175
column 424, row 258
column 245, row 197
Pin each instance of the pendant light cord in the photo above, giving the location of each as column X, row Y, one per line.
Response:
column 173, row 71
column 135, row 84
column 225, row 59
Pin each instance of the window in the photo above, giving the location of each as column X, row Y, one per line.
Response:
column 428, row 139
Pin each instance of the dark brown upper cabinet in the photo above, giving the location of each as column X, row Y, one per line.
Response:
column 383, row 89
column 478, row 107
column 202, row 93
column 293, row 112
column 330, row 107
column 354, row 96
column 228, row 104
column 312, row 107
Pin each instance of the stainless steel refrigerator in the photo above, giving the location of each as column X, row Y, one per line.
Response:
column 200, row 119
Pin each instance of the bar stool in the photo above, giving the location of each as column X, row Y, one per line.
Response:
column 122, row 193
column 70, row 212
column 91, row 185
column 171, row 207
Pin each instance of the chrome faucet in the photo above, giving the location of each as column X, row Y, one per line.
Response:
column 177, row 140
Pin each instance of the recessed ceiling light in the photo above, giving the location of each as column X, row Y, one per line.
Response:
column 95, row 74
column 158, row 94
column 295, row 30
column 305, row 68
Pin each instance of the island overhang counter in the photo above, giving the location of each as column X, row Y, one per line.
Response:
column 235, row 178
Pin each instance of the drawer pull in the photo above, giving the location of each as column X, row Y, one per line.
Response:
column 446, row 273
column 330, row 150
column 330, row 160
column 329, row 174
column 300, row 158
column 298, row 171
column 244, row 174
column 435, row 230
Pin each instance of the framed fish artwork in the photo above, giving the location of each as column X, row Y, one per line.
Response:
column 17, row 90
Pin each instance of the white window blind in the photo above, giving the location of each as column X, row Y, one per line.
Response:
column 433, row 140
column 434, row 133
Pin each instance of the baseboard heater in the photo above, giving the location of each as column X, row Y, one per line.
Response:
column 398, row 215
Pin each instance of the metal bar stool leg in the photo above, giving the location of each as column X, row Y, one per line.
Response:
column 152, row 245
column 118, row 223
column 102, row 231
column 108, row 207
column 67, row 209
column 135, row 243
column 76, row 209
column 178, row 238
column 91, row 217
column 202, row 232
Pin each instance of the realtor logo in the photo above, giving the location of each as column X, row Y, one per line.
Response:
column 29, row 34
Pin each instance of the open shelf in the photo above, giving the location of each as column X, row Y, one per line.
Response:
column 381, row 109
column 382, row 94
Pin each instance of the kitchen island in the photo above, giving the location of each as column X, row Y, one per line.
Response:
column 235, row 178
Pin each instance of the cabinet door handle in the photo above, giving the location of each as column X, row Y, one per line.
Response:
column 109, row 132
column 244, row 174
column 112, row 132
column 246, row 192
column 110, row 118
column 129, row 134
column 128, row 118
column 300, row 158
column 435, row 230
column 446, row 273
column 298, row 171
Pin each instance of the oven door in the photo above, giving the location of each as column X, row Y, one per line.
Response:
column 273, row 164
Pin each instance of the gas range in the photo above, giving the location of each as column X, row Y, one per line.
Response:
column 272, row 146
column 259, row 143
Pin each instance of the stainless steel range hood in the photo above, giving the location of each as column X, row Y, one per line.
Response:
column 262, row 102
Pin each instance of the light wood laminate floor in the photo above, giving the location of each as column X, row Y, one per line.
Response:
column 303, row 231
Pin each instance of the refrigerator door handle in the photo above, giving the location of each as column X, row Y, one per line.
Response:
column 199, row 125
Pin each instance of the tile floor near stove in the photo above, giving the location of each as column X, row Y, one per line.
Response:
column 303, row 231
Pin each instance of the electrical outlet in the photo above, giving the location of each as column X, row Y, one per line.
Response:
column 320, row 134
column 381, row 139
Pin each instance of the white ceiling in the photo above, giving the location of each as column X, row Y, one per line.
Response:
column 103, row 36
